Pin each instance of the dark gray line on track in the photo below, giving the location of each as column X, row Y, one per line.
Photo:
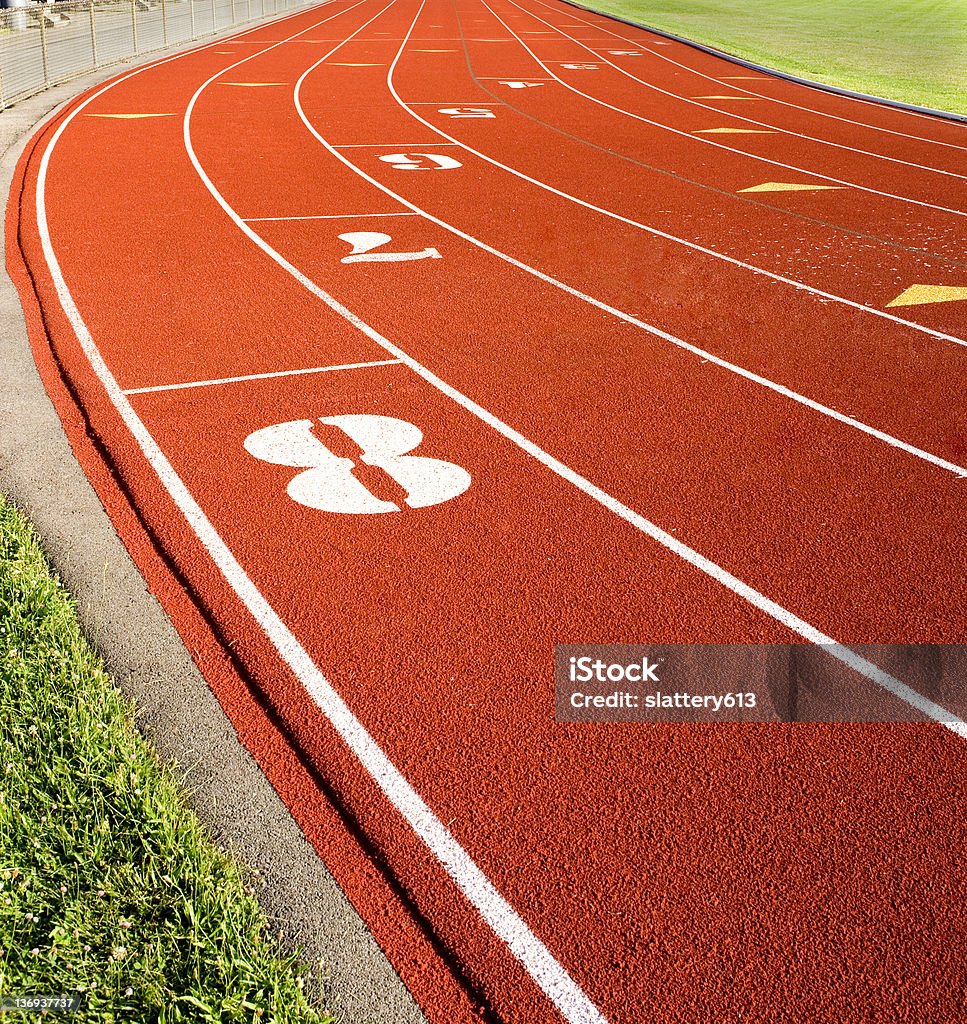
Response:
column 862, row 97
column 688, row 181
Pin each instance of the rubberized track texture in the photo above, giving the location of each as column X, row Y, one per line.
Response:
column 405, row 340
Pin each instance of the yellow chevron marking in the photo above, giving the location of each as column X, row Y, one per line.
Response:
column 787, row 186
column 734, row 131
column 921, row 294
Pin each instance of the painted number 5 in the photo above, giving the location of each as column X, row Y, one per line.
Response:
column 363, row 242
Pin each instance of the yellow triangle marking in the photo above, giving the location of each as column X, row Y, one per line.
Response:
column 724, row 97
column 733, row 131
column 787, row 186
column 130, row 117
column 252, row 85
column 921, row 294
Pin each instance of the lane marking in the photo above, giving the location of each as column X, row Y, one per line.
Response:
column 735, row 131
column 334, row 216
column 420, row 162
column 773, row 99
column 129, row 117
column 744, row 78
column 788, row 186
column 364, row 242
column 721, row 97
column 923, row 294
column 467, row 113
column 337, row 65
column 255, row 376
column 393, row 145
column 533, row 955
column 682, row 241
column 252, row 85
column 750, row 95
column 327, row 483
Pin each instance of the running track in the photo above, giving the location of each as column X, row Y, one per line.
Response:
column 673, row 411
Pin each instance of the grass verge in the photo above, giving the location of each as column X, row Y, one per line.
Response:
column 109, row 884
column 910, row 50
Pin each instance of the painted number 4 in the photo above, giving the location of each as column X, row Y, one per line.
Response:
column 327, row 482
column 363, row 243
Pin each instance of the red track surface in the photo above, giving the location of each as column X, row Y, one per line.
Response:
column 645, row 872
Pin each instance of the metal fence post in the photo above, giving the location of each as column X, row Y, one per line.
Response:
column 213, row 15
column 164, row 22
column 234, row 18
column 90, row 11
column 191, row 6
column 43, row 43
column 134, row 27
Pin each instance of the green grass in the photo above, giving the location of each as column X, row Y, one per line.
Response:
column 109, row 885
column 911, row 50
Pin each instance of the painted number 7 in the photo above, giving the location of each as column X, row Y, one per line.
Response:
column 363, row 242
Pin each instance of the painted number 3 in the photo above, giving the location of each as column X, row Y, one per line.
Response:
column 327, row 482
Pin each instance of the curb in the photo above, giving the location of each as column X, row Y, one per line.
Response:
column 912, row 108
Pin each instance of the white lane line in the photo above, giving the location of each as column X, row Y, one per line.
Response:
column 255, row 376
column 740, row 371
column 738, row 117
column 785, row 103
column 533, row 955
column 709, row 142
column 499, row 915
column 331, row 216
column 881, row 313
column 832, row 647
column 398, row 146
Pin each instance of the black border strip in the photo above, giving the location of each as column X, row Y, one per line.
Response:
column 864, row 97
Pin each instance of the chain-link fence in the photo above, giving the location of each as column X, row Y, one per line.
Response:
column 46, row 44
